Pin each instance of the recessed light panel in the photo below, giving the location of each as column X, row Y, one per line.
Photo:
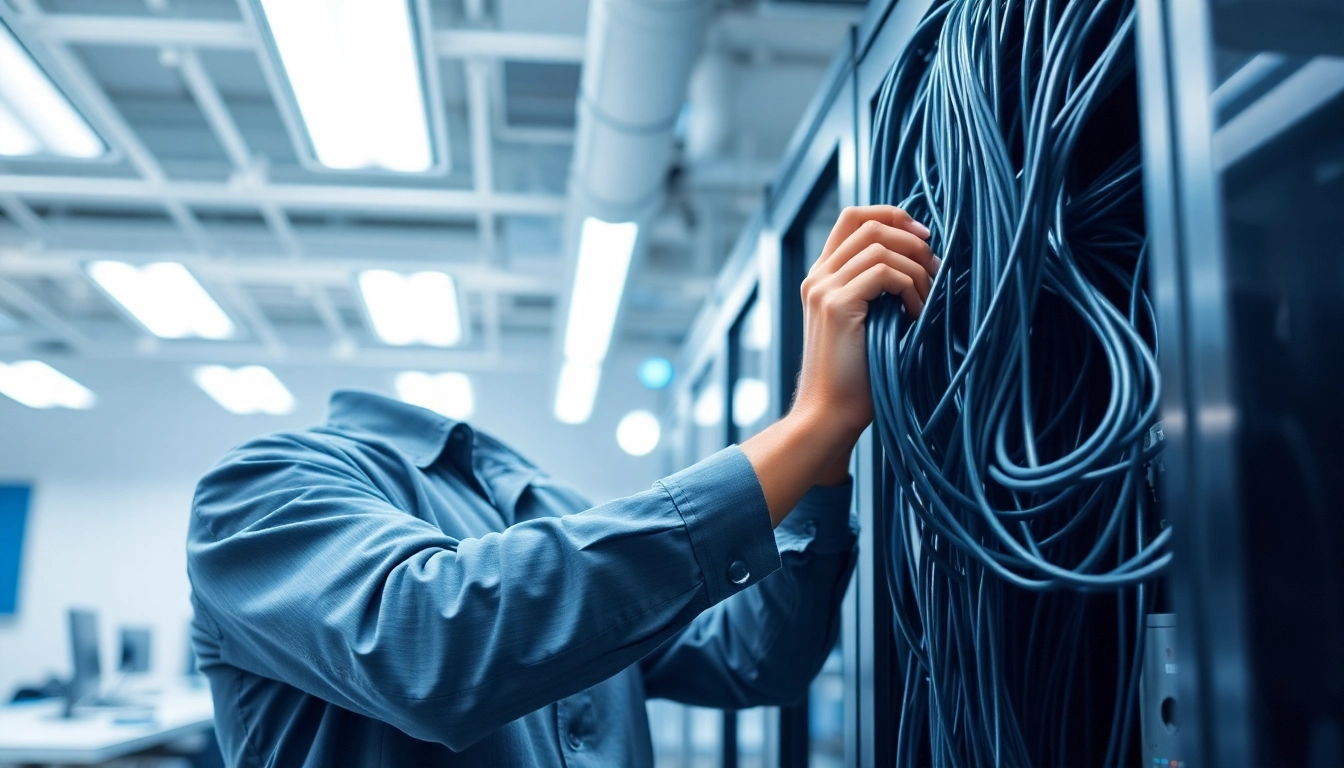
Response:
column 165, row 298
column 353, row 69
column 38, row 385
column 36, row 118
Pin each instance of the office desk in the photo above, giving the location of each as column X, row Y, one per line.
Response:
column 35, row 732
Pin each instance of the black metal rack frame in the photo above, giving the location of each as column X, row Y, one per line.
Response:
column 830, row 149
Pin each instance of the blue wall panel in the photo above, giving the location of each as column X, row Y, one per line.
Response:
column 13, row 516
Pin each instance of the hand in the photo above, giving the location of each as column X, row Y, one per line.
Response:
column 871, row 251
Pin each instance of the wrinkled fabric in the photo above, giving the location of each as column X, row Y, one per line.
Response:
column 395, row 588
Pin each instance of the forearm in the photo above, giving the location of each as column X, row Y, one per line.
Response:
column 321, row 583
column 764, row 646
column 871, row 250
column 796, row 453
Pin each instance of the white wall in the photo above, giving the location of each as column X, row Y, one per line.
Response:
column 113, row 487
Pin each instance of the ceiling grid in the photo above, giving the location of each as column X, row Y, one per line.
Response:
column 313, row 231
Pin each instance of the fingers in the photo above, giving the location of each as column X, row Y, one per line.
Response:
column 871, row 250
column 878, row 254
column 882, row 278
column 854, row 217
column 900, row 241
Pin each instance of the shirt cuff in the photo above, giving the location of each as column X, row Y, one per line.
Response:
column 823, row 522
column 723, row 507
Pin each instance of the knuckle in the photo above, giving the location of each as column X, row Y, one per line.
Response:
column 871, row 228
column 815, row 296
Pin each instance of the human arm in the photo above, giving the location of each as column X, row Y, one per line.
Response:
column 763, row 646
column 309, row 572
column 313, row 575
column 871, row 250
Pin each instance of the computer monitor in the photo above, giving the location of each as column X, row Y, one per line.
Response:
column 87, row 678
column 134, row 650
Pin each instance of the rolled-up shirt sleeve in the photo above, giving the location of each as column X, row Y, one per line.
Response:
column 764, row 645
column 312, row 575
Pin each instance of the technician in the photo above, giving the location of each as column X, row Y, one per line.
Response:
column 394, row 588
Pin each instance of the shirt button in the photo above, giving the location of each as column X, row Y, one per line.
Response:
column 574, row 741
column 738, row 572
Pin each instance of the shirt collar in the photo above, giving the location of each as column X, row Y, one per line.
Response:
column 418, row 433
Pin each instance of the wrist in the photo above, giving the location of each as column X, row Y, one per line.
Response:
column 833, row 440
column 838, row 471
column 834, row 436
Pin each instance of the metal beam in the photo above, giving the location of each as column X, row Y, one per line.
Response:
column 288, row 272
column 284, row 232
column 247, row 241
column 21, row 214
column 1302, row 93
column 482, row 155
column 231, row 139
column 256, row 319
column 235, row 35
column 491, row 320
column 41, row 314
column 286, row 196
column 141, row 31
column 85, row 91
column 331, row 319
column 389, row 358
column 516, row 46
column 216, row 113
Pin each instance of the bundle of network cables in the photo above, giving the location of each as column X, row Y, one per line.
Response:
column 1016, row 412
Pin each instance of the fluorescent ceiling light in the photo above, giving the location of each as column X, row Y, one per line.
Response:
column 247, row 390
column 638, row 433
column 708, row 407
column 576, row 391
column 751, row 399
column 599, row 280
column 165, row 298
column 412, row 309
column 38, row 385
column 446, row 393
column 35, row 117
column 353, row 67
column 15, row 138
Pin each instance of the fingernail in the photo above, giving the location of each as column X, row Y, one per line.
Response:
column 937, row 265
column 921, row 230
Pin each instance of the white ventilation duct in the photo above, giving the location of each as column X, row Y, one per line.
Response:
column 639, row 59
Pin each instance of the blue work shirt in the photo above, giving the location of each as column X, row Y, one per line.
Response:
column 397, row 589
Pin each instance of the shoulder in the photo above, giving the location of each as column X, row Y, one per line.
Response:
column 278, row 448
column 267, row 471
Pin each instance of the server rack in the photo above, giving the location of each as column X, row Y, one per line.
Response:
column 1240, row 101
column 1244, row 148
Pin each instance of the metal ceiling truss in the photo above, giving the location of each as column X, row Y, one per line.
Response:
column 51, row 36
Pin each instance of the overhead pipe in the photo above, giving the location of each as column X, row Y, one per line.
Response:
column 638, row 62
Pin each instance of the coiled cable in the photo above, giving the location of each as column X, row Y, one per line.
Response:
column 1013, row 413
